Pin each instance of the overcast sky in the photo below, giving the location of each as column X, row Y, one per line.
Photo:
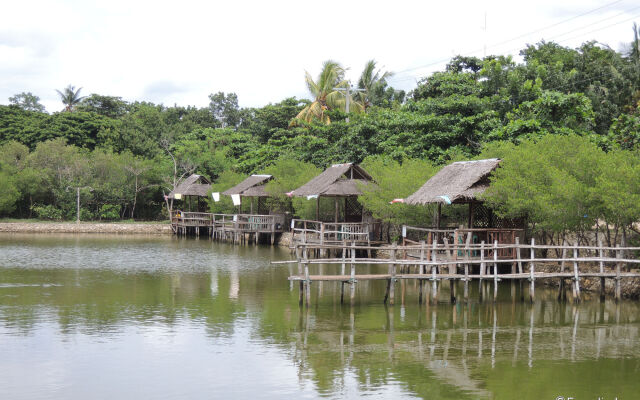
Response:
column 177, row 52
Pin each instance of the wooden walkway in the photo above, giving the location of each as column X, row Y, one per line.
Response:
column 467, row 262
column 235, row 228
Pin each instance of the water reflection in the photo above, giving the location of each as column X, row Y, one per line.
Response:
column 224, row 313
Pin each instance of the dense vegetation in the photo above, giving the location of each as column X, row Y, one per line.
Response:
column 566, row 122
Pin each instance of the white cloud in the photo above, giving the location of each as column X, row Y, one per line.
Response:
column 170, row 52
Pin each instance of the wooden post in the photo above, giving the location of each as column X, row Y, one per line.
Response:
column 434, row 282
column 392, row 274
column 342, row 270
column 576, row 276
column 602, row 282
column 306, row 276
column 337, row 210
column 318, row 208
column 482, row 266
column 421, row 271
column 299, row 258
column 532, row 267
column 561, row 290
column 353, row 273
column 495, row 270
column 618, row 290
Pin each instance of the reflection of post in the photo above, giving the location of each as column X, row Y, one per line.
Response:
column 234, row 288
column 214, row 282
column 493, row 338
column 390, row 338
column 352, row 325
column 515, row 348
column 432, row 347
column 576, row 315
column 530, row 363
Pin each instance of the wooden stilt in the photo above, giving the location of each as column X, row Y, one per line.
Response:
column 482, row 267
column 353, row 272
column 576, row 277
column 421, row 271
column 602, row 282
column 495, row 271
column 618, row 290
column 562, row 295
column 392, row 273
column 434, row 282
column 532, row 267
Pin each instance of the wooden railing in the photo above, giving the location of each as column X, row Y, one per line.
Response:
column 412, row 235
column 438, row 262
column 237, row 222
column 307, row 231
column 187, row 218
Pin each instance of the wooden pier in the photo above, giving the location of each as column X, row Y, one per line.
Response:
column 334, row 233
column 437, row 263
column 237, row 228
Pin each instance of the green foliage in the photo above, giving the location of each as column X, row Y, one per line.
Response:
column 47, row 212
column 397, row 180
column 27, row 101
column 109, row 212
column 289, row 174
column 226, row 180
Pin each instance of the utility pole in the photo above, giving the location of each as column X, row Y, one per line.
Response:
column 347, row 93
column 78, row 200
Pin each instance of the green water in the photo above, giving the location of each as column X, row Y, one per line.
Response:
column 120, row 317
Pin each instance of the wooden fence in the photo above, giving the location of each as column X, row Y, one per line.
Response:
column 466, row 262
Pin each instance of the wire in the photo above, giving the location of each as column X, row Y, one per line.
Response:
column 413, row 77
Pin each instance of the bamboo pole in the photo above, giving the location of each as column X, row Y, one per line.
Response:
column 392, row 274
column 602, row 281
column 618, row 290
column 576, row 276
column 434, row 283
column 353, row 273
column 562, row 294
column 495, row 271
column 532, row 267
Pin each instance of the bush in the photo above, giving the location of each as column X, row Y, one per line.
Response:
column 110, row 212
column 47, row 212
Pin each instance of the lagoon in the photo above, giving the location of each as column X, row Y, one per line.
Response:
column 108, row 316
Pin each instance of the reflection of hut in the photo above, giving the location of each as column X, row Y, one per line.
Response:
column 252, row 187
column 340, row 181
column 193, row 186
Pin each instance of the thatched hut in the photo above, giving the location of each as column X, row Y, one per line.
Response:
column 193, row 186
column 340, row 181
column 457, row 183
column 252, row 187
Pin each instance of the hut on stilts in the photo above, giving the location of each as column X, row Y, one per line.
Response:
column 349, row 221
column 461, row 183
column 259, row 220
column 191, row 217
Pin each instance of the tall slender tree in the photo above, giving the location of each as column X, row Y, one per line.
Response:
column 326, row 93
column 70, row 97
column 369, row 81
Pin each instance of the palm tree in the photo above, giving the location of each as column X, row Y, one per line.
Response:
column 369, row 80
column 326, row 93
column 70, row 97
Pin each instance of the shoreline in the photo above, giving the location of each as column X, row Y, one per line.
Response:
column 86, row 227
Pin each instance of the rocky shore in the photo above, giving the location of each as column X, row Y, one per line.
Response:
column 85, row 227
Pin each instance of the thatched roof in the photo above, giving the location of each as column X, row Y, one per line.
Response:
column 253, row 186
column 460, row 182
column 339, row 180
column 194, row 185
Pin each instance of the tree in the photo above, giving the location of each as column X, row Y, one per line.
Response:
column 70, row 97
column 27, row 101
column 325, row 95
column 108, row 106
column 371, row 81
column 225, row 109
